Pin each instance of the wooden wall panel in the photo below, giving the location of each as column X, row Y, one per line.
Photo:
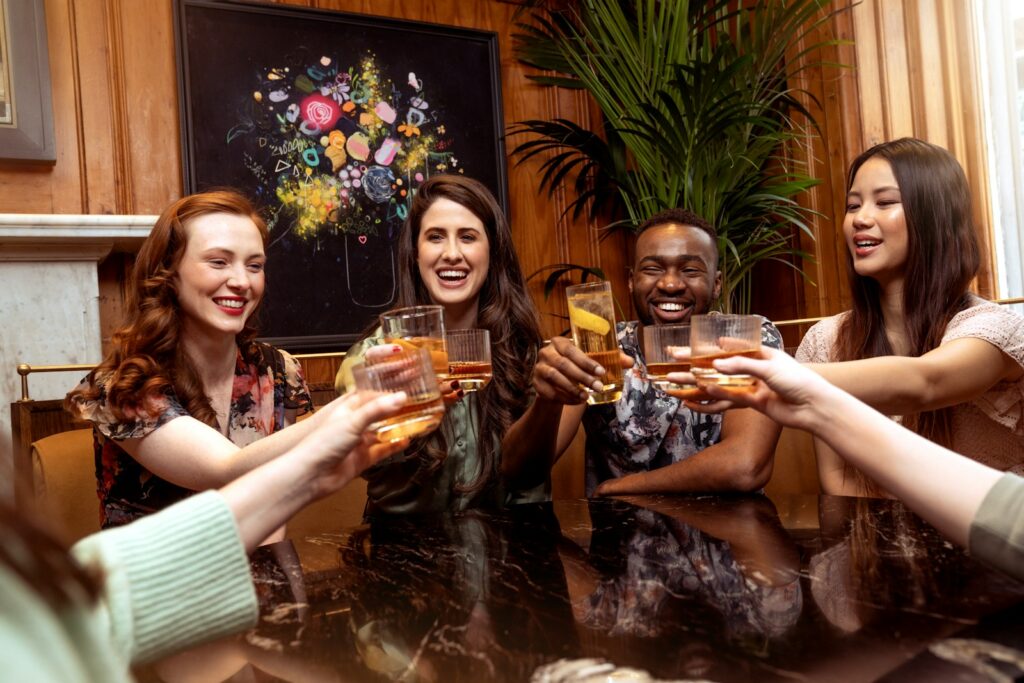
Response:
column 913, row 74
column 116, row 116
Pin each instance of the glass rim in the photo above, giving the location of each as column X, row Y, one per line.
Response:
column 599, row 284
column 715, row 315
column 466, row 331
column 410, row 311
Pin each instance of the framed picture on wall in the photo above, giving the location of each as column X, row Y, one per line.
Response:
column 330, row 122
column 26, row 111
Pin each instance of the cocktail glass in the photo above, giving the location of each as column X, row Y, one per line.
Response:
column 411, row 371
column 418, row 327
column 469, row 358
column 718, row 335
column 660, row 345
column 592, row 318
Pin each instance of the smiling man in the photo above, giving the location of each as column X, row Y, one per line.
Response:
column 647, row 441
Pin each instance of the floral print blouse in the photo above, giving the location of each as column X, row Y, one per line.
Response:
column 268, row 382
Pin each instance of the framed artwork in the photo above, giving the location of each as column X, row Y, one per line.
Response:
column 330, row 122
column 26, row 110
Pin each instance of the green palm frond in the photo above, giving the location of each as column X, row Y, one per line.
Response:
column 702, row 108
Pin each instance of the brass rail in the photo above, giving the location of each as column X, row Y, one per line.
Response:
column 809, row 321
column 24, row 369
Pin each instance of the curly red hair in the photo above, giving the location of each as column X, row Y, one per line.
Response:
column 147, row 360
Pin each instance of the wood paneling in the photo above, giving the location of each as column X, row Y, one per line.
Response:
column 913, row 74
column 118, row 143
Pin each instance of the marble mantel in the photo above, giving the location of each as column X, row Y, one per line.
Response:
column 49, row 300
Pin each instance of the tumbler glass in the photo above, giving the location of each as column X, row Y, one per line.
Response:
column 418, row 326
column 410, row 371
column 660, row 344
column 720, row 336
column 469, row 358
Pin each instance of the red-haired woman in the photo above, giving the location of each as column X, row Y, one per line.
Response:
column 187, row 400
column 920, row 344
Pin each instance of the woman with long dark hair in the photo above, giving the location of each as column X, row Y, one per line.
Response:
column 949, row 363
column 185, row 397
column 456, row 250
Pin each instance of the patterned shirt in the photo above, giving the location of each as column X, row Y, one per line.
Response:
column 268, row 381
column 646, row 428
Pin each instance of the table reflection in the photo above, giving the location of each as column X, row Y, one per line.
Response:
column 717, row 588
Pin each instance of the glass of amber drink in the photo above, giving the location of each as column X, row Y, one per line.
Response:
column 418, row 327
column 660, row 344
column 720, row 336
column 469, row 358
column 592, row 318
column 411, row 371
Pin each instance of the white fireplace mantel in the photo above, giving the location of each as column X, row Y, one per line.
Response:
column 49, row 299
column 62, row 237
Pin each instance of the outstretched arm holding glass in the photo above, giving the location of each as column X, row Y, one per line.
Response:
column 173, row 578
column 972, row 504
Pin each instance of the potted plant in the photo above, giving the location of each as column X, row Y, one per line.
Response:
column 699, row 111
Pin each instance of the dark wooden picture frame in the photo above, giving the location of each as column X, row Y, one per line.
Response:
column 29, row 137
column 330, row 121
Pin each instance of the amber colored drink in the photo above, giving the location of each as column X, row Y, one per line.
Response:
column 471, row 375
column 436, row 347
column 658, row 370
column 705, row 371
column 416, row 417
column 657, row 375
column 612, row 380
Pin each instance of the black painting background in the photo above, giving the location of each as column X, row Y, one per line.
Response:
column 323, row 292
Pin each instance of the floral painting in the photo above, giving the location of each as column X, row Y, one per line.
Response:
column 331, row 122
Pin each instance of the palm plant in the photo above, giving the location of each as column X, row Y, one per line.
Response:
column 700, row 111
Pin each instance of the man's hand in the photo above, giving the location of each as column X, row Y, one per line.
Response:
column 562, row 370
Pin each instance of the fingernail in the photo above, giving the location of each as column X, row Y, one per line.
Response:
column 598, row 370
column 597, row 386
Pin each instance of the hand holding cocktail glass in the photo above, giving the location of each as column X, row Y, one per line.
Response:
column 410, row 371
column 713, row 338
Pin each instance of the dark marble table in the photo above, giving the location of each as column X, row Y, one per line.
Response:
column 720, row 589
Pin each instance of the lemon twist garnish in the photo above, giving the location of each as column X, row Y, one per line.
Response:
column 588, row 321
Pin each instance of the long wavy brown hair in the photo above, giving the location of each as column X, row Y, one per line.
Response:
column 147, row 359
column 505, row 310
column 943, row 256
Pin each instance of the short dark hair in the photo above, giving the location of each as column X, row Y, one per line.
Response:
column 679, row 217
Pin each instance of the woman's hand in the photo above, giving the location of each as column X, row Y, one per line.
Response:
column 562, row 370
column 341, row 447
column 785, row 390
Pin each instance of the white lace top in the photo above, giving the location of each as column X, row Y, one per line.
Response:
column 989, row 429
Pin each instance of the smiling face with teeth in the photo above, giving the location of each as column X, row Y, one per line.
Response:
column 675, row 275
column 453, row 256
column 875, row 226
column 220, row 278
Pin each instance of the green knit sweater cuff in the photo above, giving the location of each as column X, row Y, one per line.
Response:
column 174, row 578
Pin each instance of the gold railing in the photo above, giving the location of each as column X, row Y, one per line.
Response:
column 24, row 369
column 810, row 321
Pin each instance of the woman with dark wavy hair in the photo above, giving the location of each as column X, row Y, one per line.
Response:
column 949, row 363
column 185, row 397
column 456, row 250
